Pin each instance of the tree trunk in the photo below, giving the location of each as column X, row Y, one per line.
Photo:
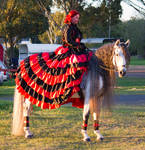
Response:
column 11, row 49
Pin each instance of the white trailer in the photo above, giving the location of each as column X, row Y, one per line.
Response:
column 26, row 50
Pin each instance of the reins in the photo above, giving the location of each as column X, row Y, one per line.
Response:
column 108, row 69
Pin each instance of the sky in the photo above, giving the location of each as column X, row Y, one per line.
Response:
column 128, row 12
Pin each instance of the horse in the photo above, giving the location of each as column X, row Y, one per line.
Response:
column 96, row 88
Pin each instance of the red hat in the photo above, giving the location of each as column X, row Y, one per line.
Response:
column 71, row 14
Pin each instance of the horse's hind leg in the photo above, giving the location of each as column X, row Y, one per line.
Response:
column 27, row 107
column 86, row 113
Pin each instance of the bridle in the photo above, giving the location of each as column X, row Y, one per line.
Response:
column 114, row 69
column 107, row 68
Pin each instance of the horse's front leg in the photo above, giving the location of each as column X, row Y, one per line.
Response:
column 27, row 107
column 86, row 113
column 96, row 126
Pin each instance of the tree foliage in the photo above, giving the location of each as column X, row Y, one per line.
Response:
column 133, row 30
column 53, row 33
column 67, row 5
column 19, row 19
column 136, row 33
column 99, row 18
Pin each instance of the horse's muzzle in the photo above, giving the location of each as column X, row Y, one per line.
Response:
column 122, row 72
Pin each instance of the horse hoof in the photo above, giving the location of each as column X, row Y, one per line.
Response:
column 87, row 140
column 29, row 136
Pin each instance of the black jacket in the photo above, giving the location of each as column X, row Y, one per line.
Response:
column 71, row 37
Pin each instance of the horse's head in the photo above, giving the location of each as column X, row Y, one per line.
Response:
column 120, row 57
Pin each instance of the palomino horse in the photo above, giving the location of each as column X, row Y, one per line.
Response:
column 99, row 83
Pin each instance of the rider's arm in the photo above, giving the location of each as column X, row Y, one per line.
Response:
column 68, row 37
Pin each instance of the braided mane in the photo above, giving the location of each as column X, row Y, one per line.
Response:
column 105, row 55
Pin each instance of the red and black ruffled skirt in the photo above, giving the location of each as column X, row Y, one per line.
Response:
column 49, row 80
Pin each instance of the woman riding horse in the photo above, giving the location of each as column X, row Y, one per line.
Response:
column 48, row 80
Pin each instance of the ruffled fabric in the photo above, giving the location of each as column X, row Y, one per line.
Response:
column 49, row 80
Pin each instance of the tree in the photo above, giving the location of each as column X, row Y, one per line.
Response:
column 100, row 18
column 133, row 30
column 9, row 15
column 55, row 21
column 19, row 19
column 53, row 33
column 67, row 5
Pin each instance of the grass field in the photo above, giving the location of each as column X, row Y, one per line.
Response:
column 123, row 129
column 130, row 86
column 137, row 61
column 60, row 129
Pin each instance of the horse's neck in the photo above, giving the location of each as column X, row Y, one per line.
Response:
column 105, row 59
column 104, row 56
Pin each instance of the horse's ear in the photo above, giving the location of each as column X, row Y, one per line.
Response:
column 117, row 42
column 127, row 43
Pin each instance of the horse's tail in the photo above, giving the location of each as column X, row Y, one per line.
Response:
column 18, row 119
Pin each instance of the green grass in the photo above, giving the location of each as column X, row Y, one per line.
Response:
column 137, row 61
column 130, row 86
column 7, row 89
column 60, row 130
column 10, row 82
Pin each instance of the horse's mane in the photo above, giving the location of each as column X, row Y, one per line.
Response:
column 104, row 53
column 102, row 57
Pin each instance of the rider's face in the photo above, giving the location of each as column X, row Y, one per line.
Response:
column 75, row 19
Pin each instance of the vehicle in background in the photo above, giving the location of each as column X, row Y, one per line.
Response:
column 25, row 41
column 1, row 78
column 4, row 73
column 26, row 50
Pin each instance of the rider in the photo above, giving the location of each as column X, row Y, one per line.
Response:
column 50, row 79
